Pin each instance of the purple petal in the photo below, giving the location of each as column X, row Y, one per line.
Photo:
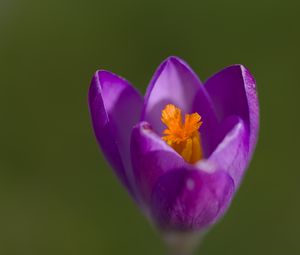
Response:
column 191, row 199
column 233, row 92
column 151, row 158
column 174, row 82
column 204, row 106
column 115, row 107
column 232, row 153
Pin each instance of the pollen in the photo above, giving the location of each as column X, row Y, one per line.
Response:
column 182, row 137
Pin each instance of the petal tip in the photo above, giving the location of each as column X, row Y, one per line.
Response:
column 248, row 77
column 104, row 75
column 177, row 60
column 95, row 85
column 245, row 73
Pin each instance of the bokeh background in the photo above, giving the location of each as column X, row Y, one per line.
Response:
column 58, row 196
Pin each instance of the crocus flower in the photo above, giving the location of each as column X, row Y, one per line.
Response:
column 182, row 150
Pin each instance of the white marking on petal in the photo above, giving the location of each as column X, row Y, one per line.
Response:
column 206, row 166
column 190, row 184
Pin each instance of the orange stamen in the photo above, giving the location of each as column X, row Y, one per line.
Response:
column 184, row 138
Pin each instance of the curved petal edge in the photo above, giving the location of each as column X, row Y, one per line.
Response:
column 115, row 107
column 233, row 92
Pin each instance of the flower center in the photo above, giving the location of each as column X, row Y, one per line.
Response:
column 182, row 137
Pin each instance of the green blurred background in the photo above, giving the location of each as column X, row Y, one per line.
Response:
column 57, row 194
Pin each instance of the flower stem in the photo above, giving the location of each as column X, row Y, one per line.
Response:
column 181, row 243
